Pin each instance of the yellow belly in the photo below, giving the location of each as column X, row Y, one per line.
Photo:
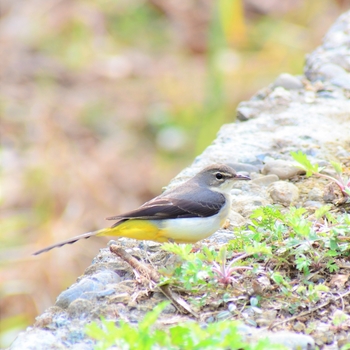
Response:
column 183, row 230
column 136, row 229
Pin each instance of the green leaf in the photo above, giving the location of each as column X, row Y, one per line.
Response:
column 305, row 163
column 181, row 336
column 208, row 253
column 279, row 279
column 183, row 250
column 95, row 331
column 321, row 288
column 302, row 264
column 152, row 316
column 321, row 212
column 337, row 167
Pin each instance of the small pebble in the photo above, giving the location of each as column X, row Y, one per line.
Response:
column 283, row 169
column 106, row 277
column 169, row 309
column 299, row 327
column 246, row 113
column 330, row 71
column 210, row 319
column 231, row 307
column 236, row 219
column 223, row 315
column 75, row 291
column 342, row 81
column 80, row 308
column 313, row 204
column 326, row 94
column 37, row 339
column 249, row 109
column 96, row 283
column 265, row 181
column 323, row 338
column 315, row 194
column 288, row 82
column 283, row 192
column 242, row 167
column 292, row 340
column 280, row 96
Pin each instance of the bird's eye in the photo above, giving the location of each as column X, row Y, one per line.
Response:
column 219, row 176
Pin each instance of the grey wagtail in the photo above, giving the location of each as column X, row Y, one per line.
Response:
column 185, row 214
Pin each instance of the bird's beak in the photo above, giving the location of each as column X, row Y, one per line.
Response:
column 242, row 177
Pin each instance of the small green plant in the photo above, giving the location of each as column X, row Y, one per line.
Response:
column 182, row 250
column 340, row 318
column 293, row 236
column 283, row 282
column 340, row 179
column 286, row 246
column 224, row 272
column 193, row 273
column 201, row 272
column 311, row 293
column 126, row 336
column 187, row 336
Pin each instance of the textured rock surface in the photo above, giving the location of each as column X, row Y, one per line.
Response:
column 310, row 113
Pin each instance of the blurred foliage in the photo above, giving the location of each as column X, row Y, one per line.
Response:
column 103, row 101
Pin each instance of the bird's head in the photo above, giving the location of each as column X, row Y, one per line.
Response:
column 219, row 177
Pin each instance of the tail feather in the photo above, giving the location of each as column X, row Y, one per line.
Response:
column 71, row 240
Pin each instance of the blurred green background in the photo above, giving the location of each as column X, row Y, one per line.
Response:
column 104, row 101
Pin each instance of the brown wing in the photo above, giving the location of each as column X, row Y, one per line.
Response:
column 170, row 208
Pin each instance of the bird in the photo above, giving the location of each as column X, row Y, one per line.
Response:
column 187, row 213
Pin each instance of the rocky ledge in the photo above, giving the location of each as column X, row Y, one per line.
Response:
column 309, row 113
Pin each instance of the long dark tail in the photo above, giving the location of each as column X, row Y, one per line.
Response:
column 71, row 240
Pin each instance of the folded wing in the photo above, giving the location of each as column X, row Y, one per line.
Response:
column 170, row 208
